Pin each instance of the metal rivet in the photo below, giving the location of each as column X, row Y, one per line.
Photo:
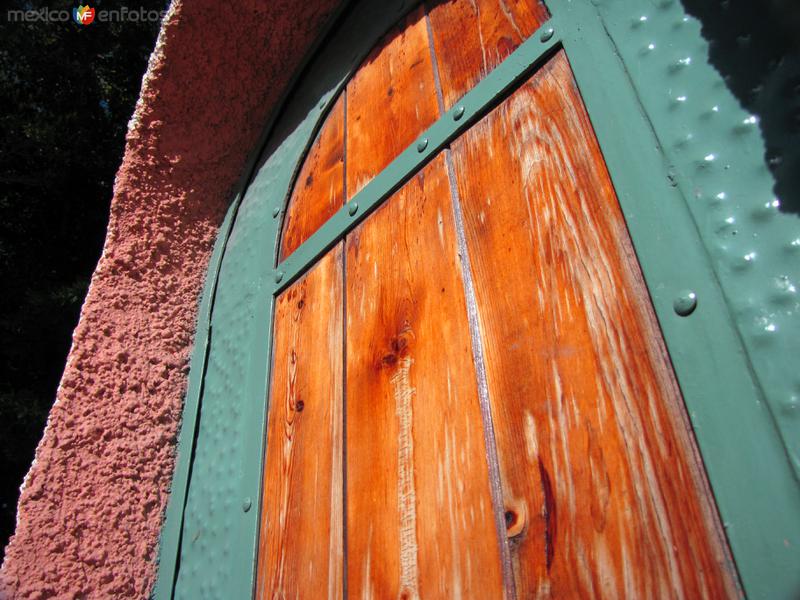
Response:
column 278, row 276
column 247, row 504
column 458, row 113
column 547, row 34
column 791, row 406
column 352, row 208
column 685, row 303
column 423, row 143
column 276, row 211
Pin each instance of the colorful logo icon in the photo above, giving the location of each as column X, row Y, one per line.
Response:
column 83, row 15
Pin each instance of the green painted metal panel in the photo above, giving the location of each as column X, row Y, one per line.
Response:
column 669, row 193
column 170, row 543
column 680, row 175
column 717, row 157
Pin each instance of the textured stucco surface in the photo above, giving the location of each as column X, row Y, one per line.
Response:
column 91, row 508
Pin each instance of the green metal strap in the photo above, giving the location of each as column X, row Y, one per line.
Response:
column 473, row 106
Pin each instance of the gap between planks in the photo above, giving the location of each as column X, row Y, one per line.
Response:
column 498, row 505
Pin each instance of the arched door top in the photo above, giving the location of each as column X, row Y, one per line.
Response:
column 257, row 275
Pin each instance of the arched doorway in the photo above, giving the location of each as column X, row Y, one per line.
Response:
column 469, row 393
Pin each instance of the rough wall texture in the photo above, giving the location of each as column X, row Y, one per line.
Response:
column 91, row 508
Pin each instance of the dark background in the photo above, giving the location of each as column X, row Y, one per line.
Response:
column 67, row 92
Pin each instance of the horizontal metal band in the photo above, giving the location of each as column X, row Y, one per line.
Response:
column 471, row 108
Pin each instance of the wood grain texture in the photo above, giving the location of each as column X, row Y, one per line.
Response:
column 419, row 514
column 472, row 37
column 319, row 188
column 301, row 546
column 604, row 492
column 390, row 100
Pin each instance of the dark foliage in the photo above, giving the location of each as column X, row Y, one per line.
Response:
column 67, row 93
column 755, row 46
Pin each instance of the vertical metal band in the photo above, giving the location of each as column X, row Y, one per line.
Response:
column 746, row 462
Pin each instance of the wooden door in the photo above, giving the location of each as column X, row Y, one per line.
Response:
column 470, row 396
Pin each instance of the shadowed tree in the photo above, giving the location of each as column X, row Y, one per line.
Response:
column 67, row 93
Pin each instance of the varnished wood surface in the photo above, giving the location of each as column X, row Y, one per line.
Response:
column 419, row 513
column 603, row 490
column 301, row 546
column 603, row 494
column 390, row 100
column 319, row 188
column 472, row 37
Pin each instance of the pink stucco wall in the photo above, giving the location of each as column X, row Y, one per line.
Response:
column 91, row 508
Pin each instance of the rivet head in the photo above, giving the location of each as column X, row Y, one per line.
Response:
column 685, row 303
column 278, row 276
column 423, row 143
column 247, row 504
column 352, row 208
column 458, row 113
column 276, row 211
column 791, row 406
column 547, row 34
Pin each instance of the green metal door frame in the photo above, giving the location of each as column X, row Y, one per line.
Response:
column 743, row 443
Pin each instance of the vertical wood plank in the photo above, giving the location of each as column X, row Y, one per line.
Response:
column 390, row 100
column 604, row 491
column 319, row 189
column 472, row 37
column 300, row 549
column 419, row 512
